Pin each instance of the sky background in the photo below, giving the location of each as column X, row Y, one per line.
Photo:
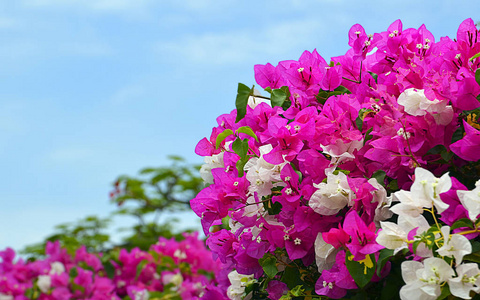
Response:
column 90, row 90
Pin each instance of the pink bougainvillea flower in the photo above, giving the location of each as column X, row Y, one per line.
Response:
column 363, row 236
column 468, row 147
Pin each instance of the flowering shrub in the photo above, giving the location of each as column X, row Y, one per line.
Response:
column 352, row 175
column 169, row 270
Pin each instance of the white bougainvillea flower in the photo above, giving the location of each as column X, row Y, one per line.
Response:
column 331, row 196
column 255, row 101
column 423, row 280
column 392, row 236
column 262, row 174
column 457, row 245
column 415, row 103
column 421, row 225
column 427, row 188
column 468, row 280
column 5, row 297
column 44, row 283
column 57, row 268
column 408, row 206
column 325, row 254
column 211, row 162
column 237, row 286
column 382, row 212
column 471, row 201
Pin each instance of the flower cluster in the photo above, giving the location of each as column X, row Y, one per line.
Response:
column 351, row 172
column 170, row 269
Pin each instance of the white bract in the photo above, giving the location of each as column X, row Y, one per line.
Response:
column 211, row 162
column 262, row 174
column 394, row 236
column 324, row 254
column 57, row 268
column 468, row 280
column 238, row 282
column 471, row 201
column 382, row 212
column 255, row 101
column 341, row 151
column 428, row 188
column 332, row 196
column 415, row 103
column 457, row 245
column 423, row 280
column 409, row 205
column 141, row 295
column 44, row 282
column 424, row 193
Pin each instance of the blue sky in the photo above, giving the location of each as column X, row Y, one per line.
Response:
column 93, row 89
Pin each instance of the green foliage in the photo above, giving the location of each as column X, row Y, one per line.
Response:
column 269, row 265
column 89, row 231
column 243, row 92
column 361, row 271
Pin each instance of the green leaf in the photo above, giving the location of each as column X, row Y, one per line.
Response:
column 297, row 291
column 475, row 246
column 375, row 76
column 458, row 134
column 243, row 92
column 383, row 258
column 240, row 147
column 73, row 272
column 475, row 56
column 273, row 208
column 247, row 130
column 437, row 149
column 415, row 246
column 222, row 136
column 380, row 176
column 359, row 123
column 477, row 75
column 109, row 269
column 446, row 155
column 475, row 257
column 240, row 165
column 368, row 136
column 291, row 277
column 322, row 96
column 462, row 223
column 361, row 271
column 445, row 292
column 278, row 97
column 140, row 267
column 393, row 185
column 342, row 90
column 269, row 265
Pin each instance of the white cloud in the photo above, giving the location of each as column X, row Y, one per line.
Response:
column 86, row 48
column 95, row 4
column 71, row 155
column 239, row 46
column 127, row 94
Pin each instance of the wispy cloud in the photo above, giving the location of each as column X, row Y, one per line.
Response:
column 127, row 94
column 71, row 155
column 235, row 47
column 99, row 5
